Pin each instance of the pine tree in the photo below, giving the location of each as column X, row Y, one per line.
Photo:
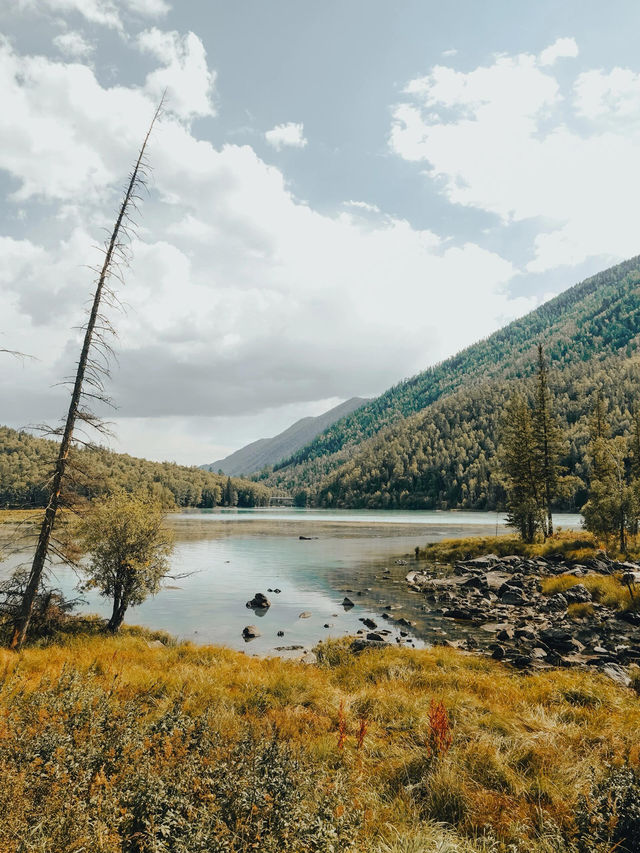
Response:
column 612, row 506
column 525, row 509
column 548, row 443
column 87, row 385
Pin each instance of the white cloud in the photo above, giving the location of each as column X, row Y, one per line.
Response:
column 290, row 135
column 149, row 8
column 185, row 75
column 363, row 205
column 241, row 297
column 563, row 48
column 106, row 13
column 609, row 97
column 451, row 52
column 506, row 139
column 74, row 45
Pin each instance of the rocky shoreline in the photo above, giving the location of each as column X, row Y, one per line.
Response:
column 520, row 625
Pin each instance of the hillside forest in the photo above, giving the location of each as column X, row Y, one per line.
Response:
column 25, row 464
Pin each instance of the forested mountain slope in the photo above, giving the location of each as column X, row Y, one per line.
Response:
column 445, row 456
column 268, row 451
column 25, row 463
column 580, row 329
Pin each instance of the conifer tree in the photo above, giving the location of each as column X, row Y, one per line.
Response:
column 612, row 506
column 519, row 463
column 87, row 385
column 547, row 443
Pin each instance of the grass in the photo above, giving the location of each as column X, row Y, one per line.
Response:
column 605, row 589
column 12, row 516
column 109, row 744
column 570, row 544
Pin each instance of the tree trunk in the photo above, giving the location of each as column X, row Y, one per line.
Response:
column 23, row 617
column 117, row 616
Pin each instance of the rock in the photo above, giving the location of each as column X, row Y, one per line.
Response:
column 538, row 653
column 361, row 645
column 259, row 601
column 513, row 597
column 401, row 563
column 309, row 658
column 577, row 594
column 368, row 622
column 280, row 633
column 406, row 622
column 346, row 602
column 556, row 603
column 375, row 636
column 616, row 673
column 558, row 638
column 505, row 634
column 525, row 634
column 250, row 632
column 386, row 616
column 631, row 617
column 328, row 625
column 497, row 651
column 304, row 615
column 475, row 582
column 277, row 591
column 521, row 661
column 288, row 648
column 481, row 562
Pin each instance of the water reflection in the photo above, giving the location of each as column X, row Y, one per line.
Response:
column 354, row 554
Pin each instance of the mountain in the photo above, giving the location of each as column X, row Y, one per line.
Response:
column 266, row 452
column 25, row 464
column 430, row 441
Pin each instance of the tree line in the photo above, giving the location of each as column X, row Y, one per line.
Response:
column 532, row 446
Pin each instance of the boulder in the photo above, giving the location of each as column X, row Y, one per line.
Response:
column 259, row 601
column 360, row 645
column 250, row 632
column 556, row 603
column 558, row 638
column 304, row 615
column 346, row 602
column 514, row 597
column 577, row 594
column 616, row 673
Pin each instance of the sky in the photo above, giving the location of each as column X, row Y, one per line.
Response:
column 342, row 194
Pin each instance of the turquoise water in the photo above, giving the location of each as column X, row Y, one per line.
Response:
column 229, row 555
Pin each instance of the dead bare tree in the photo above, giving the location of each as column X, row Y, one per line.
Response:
column 88, row 384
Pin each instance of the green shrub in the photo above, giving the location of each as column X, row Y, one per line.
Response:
column 610, row 815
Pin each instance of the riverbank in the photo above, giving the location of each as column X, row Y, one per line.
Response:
column 565, row 602
column 116, row 743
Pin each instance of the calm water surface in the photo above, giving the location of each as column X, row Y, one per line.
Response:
column 229, row 555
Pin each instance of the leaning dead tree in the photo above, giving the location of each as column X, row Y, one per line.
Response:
column 87, row 385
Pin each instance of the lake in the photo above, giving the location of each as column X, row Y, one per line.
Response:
column 227, row 555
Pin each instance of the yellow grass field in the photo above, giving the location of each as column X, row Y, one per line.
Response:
column 395, row 751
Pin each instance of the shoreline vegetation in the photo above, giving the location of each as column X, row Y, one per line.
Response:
column 135, row 742
column 570, row 544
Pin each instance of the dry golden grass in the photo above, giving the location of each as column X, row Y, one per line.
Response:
column 11, row 516
column 571, row 544
column 605, row 589
column 524, row 746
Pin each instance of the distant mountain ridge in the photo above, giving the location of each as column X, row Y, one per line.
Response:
column 268, row 451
